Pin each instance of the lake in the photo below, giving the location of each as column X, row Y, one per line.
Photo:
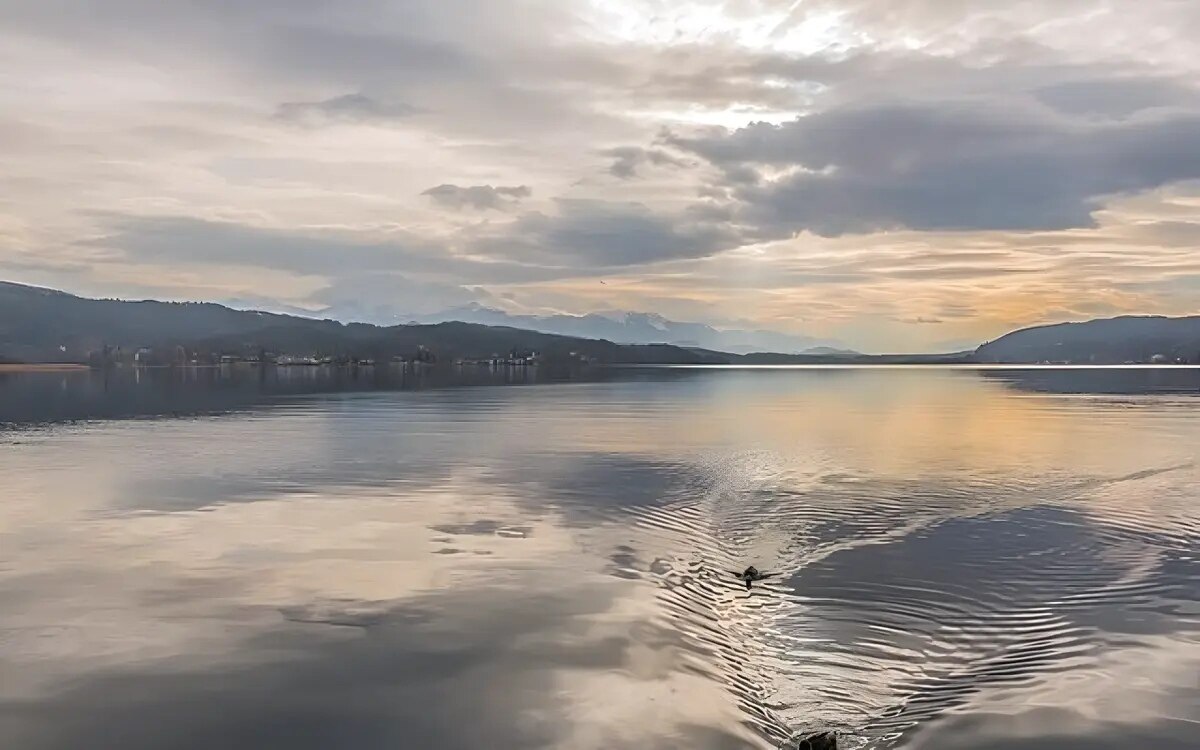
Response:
column 239, row 559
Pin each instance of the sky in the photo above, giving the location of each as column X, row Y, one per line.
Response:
column 899, row 176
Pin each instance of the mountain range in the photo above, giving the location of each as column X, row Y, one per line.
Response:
column 618, row 326
column 44, row 325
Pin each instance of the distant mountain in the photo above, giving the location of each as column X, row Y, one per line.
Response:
column 828, row 351
column 43, row 325
column 1109, row 341
column 629, row 328
column 767, row 358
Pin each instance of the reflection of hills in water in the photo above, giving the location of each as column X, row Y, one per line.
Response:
column 33, row 397
column 1118, row 380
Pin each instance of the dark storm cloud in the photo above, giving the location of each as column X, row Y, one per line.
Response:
column 1116, row 98
column 711, row 211
column 478, row 197
column 592, row 233
column 582, row 238
column 947, row 166
column 346, row 107
column 627, row 159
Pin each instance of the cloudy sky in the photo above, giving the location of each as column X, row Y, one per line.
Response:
column 909, row 174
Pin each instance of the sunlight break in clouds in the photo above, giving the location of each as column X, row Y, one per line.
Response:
column 905, row 175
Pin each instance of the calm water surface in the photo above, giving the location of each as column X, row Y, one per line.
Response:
column 966, row 559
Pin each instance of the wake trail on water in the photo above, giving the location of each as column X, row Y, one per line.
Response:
column 894, row 601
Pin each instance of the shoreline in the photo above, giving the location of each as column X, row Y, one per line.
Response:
column 16, row 368
column 44, row 367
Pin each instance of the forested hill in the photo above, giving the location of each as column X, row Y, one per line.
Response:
column 1108, row 341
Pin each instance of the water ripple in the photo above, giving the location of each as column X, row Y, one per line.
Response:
column 898, row 603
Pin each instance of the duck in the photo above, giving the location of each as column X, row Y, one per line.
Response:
column 752, row 574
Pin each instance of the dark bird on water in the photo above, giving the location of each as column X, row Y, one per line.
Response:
column 751, row 574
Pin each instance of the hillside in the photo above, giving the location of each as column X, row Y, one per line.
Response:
column 1108, row 341
column 43, row 325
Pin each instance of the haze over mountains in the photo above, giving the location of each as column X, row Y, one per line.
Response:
column 44, row 325
column 618, row 326
column 644, row 328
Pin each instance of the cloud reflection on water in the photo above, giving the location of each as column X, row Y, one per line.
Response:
column 546, row 567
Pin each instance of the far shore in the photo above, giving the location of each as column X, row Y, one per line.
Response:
column 45, row 367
